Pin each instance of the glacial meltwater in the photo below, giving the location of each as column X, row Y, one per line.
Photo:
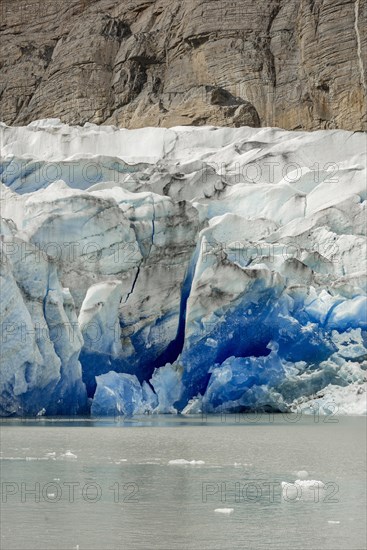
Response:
column 178, row 483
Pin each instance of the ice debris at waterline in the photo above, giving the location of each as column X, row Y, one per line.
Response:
column 184, row 269
column 302, row 489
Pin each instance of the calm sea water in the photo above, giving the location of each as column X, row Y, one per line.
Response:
column 110, row 485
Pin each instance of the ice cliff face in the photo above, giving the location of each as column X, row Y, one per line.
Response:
column 296, row 64
column 184, row 269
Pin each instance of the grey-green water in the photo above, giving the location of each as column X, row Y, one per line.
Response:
column 120, row 492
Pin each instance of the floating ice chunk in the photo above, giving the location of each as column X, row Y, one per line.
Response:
column 224, row 511
column 305, row 483
column 333, row 522
column 184, row 462
column 51, row 455
column 68, row 456
column 302, row 489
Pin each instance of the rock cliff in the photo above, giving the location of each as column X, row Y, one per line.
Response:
column 295, row 64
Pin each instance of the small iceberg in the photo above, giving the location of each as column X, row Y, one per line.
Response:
column 68, row 455
column 224, row 510
column 302, row 489
column 183, row 462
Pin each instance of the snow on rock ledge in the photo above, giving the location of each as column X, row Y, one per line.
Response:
column 183, row 269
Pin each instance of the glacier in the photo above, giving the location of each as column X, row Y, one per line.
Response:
column 182, row 270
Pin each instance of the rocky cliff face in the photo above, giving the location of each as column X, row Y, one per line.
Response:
column 287, row 63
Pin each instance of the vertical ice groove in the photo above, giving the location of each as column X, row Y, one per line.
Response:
column 175, row 347
column 134, row 283
column 359, row 48
column 139, row 266
column 153, row 220
column 44, row 304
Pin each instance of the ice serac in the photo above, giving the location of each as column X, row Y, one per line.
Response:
column 182, row 270
column 41, row 339
column 99, row 324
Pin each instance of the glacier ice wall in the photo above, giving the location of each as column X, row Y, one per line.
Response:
column 184, row 269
